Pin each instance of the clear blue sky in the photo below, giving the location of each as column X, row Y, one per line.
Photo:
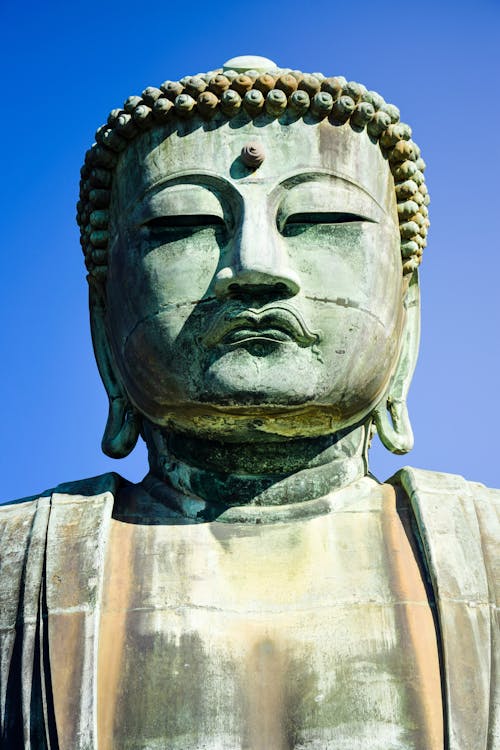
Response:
column 65, row 65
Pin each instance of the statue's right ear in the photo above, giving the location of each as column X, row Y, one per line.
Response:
column 123, row 424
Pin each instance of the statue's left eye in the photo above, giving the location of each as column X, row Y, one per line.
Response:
column 325, row 217
column 185, row 221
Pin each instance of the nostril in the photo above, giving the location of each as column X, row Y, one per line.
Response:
column 247, row 283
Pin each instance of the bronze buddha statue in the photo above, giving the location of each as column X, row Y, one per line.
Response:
column 252, row 237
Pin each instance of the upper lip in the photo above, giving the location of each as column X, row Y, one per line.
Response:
column 263, row 322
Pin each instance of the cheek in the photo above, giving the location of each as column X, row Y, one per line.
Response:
column 147, row 277
column 358, row 266
column 359, row 353
column 352, row 279
column 160, row 361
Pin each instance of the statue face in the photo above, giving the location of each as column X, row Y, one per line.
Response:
column 246, row 302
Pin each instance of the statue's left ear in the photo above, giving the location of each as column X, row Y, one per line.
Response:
column 123, row 424
column 391, row 414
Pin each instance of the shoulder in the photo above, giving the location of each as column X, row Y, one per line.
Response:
column 25, row 524
column 82, row 488
column 449, row 503
column 92, row 487
column 420, row 481
column 459, row 526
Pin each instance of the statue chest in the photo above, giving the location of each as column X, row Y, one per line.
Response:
column 306, row 634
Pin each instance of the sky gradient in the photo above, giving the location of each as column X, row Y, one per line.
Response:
column 66, row 65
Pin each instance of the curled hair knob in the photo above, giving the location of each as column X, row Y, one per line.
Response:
column 276, row 102
column 207, row 103
column 150, row 95
column 113, row 116
column 287, row 83
column 125, row 126
column 392, row 111
column 373, row 98
column 172, row 89
column 310, row 84
column 300, row 101
column 131, row 103
column 142, row 116
column 218, row 84
column 161, row 108
column 343, row 109
column 230, row 102
column 332, row 86
column 322, row 104
column 242, row 84
column 264, row 83
column 184, row 105
column 394, row 133
column 354, row 90
column 363, row 114
column 253, row 102
column 195, row 86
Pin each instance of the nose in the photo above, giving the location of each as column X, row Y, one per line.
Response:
column 257, row 262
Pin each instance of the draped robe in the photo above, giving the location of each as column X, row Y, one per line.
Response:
column 52, row 559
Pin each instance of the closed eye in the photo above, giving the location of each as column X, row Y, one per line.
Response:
column 185, row 221
column 172, row 228
column 325, row 217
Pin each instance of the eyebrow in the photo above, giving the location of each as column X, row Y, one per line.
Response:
column 326, row 175
column 201, row 178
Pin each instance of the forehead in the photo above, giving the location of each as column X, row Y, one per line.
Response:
column 190, row 148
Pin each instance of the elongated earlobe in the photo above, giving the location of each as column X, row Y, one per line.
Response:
column 393, row 425
column 391, row 413
column 122, row 428
column 123, row 425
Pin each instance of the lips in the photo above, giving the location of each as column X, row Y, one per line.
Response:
column 276, row 323
column 241, row 335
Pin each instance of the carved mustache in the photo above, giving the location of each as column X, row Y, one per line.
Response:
column 266, row 322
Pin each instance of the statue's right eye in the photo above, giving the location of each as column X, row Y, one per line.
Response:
column 184, row 221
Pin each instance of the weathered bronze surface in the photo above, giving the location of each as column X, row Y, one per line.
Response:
column 252, row 238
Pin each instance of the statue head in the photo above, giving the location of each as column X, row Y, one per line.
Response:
column 252, row 237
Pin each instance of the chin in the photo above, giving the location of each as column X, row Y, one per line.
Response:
column 250, row 413
column 279, row 376
column 256, row 422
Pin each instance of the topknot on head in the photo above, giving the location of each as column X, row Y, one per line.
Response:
column 249, row 63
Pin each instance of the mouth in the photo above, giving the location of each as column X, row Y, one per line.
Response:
column 273, row 323
column 254, row 335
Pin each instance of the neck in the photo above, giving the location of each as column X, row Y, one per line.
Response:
column 260, row 473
